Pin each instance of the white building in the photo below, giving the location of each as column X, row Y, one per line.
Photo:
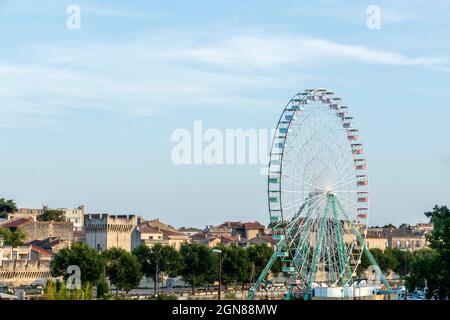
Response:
column 76, row 216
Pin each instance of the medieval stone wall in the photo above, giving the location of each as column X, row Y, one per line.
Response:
column 39, row 230
column 21, row 272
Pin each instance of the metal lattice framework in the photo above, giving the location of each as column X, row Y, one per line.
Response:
column 318, row 192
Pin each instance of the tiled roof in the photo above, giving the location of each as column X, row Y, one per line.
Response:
column 172, row 233
column 41, row 251
column 262, row 239
column 147, row 229
column 230, row 224
column 226, row 238
column 157, row 223
column 253, row 225
column 375, row 235
column 14, row 223
column 404, row 233
column 200, row 235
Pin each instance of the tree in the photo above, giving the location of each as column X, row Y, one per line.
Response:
column 389, row 226
column 61, row 290
column 87, row 259
column 50, row 290
column 405, row 260
column 12, row 238
column 431, row 270
column 102, row 288
column 188, row 229
column 386, row 260
column 199, row 264
column 51, row 215
column 259, row 255
column 158, row 260
column 424, row 271
column 7, row 206
column 440, row 237
column 122, row 269
column 236, row 265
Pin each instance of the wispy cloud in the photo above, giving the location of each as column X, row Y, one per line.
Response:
column 151, row 75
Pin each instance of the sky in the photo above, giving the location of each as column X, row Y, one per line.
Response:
column 86, row 115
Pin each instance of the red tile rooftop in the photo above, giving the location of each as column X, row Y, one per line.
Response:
column 14, row 223
column 147, row 229
column 253, row 225
column 40, row 250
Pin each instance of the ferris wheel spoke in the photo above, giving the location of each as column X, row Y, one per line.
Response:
column 346, row 183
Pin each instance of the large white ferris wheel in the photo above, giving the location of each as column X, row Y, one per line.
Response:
column 318, row 193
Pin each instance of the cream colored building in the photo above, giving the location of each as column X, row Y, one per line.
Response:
column 376, row 240
column 23, row 265
column 76, row 216
column 9, row 253
column 105, row 231
column 407, row 240
column 154, row 232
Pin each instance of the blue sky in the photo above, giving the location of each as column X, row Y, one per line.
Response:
column 86, row 115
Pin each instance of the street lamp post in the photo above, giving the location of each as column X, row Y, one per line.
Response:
column 406, row 272
column 156, row 279
column 220, row 269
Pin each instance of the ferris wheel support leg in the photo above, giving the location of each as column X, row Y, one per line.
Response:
column 372, row 260
column 289, row 293
column 374, row 263
column 262, row 276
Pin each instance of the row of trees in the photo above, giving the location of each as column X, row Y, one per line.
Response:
column 427, row 269
column 431, row 269
column 195, row 263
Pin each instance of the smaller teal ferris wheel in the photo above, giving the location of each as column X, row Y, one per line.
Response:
column 318, row 193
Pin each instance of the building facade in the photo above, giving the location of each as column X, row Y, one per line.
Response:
column 76, row 216
column 407, row 240
column 154, row 232
column 105, row 231
column 23, row 265
column 26, row 213
column 39, row 230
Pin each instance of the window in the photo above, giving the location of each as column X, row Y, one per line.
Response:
column 407, row 244
column 14, row 255
column 399, row 244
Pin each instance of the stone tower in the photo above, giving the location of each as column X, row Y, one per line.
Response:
column 104, row 231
